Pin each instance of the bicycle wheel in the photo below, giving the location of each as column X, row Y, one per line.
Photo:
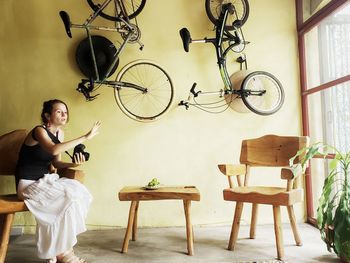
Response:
column 213, row 9
column 262, row 93
column 113, row 11
column 149, row 105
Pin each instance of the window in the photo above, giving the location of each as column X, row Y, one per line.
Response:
column 324, row 46
column 310, row 7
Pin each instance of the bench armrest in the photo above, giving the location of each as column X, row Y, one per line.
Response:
column 288, row 173
column 72, row 174
column 232, row 169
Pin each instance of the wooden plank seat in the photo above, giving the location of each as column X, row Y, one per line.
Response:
column 10, row 144
column 264, row 195
column 10, row 204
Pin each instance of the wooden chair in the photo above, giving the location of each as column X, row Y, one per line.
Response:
column 269, row 150
column 10, row 144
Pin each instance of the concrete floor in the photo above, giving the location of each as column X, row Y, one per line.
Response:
column 169, row 245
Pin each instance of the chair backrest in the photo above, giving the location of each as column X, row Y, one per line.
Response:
column 10, row 144
column 271, row 150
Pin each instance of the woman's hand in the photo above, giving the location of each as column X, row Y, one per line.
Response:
column 79, row 159
column 94, row 130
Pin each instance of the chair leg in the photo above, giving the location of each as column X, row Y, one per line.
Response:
column 5, row 229
column 253, row 220
column 278, row 232
column 294, row 225
column 235, row 225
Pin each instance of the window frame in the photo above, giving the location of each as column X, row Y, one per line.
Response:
column 302, row 29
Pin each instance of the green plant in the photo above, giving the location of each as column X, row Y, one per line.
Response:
column 333, row 212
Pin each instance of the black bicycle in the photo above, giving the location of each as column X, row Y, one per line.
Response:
column 143, row 90
column 260, row 91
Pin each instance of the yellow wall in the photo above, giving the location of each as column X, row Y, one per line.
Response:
column 184, row 147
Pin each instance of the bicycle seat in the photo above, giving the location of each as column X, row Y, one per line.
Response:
column 66, row 21
column 186, row 38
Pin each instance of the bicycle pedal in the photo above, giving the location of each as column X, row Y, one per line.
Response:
column 80, row 87
column 241, row 59
column 237, row 23
column 93, row 97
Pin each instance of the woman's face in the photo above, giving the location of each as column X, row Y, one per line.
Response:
column 59, row 115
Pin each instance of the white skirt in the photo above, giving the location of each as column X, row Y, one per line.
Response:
column 60, row 206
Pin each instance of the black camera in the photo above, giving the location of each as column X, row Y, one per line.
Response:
column 80, row 149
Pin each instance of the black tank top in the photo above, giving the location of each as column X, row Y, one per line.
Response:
column 33, row 161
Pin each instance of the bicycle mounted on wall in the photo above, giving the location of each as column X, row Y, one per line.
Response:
column 260, row 91
column 143, row 90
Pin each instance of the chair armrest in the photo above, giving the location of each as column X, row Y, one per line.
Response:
column 72, row 174
column 287, row 173
column 232, row 169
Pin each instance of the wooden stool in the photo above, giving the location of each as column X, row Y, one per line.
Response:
column 137, row 193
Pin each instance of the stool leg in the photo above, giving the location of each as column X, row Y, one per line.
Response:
column 134, row 226
column 5, row 229
column 278, row 232
column 189, row 230
column 129, row 227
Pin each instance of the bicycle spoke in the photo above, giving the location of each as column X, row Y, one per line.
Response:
column 241, row 11
column 262, row 93
column 151, row 103
column 133, row 100
column 114, row 11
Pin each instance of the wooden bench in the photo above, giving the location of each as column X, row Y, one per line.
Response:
column 10, row 145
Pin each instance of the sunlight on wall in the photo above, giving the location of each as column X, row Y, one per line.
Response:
column 184, row 147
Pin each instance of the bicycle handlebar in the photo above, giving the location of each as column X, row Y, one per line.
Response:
column 195, row 93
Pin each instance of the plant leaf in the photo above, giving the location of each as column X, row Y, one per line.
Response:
column 333, row 163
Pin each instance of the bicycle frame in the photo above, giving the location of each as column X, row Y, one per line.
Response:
column 248, row 86
column 221, row 56
column 127, row 29
column 138, row 94
column 222, row 36
column 88, row 27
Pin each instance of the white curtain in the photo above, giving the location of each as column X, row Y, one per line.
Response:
column 334, row 39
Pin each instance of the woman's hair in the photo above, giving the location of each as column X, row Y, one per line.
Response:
column 47, row 108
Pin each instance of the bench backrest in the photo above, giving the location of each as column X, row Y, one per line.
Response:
column 10, row 144
column 271, row 150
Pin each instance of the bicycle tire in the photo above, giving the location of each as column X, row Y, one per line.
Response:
column 104, row 51
column 213, row 10
column 267, row 103
column 133, row 8
column 144, row 106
